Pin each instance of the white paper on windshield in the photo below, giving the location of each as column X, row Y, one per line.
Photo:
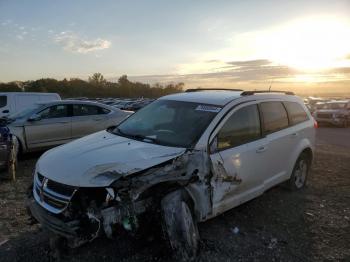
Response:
column 207, row 108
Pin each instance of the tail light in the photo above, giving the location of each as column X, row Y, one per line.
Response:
column 315, row 124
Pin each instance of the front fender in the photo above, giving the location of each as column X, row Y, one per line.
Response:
column 19, row 133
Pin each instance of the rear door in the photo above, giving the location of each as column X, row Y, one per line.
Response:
column 88, row 119
column 280, row 140
column 239, row 158
column 53, row 128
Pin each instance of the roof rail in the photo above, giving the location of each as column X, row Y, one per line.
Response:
column 210, row 89
column 249, row 93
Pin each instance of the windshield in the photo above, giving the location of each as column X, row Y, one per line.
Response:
column 24, row 112
column 334, row 106
column 171, row 123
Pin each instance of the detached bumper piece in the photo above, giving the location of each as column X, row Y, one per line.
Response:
column 67, row 230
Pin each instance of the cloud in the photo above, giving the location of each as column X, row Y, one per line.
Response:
column 6, row 23
column 250, row 63
column 253, row 73
column 73, row 43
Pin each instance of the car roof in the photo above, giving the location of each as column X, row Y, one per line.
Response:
column 223, row 97
column 213, row 97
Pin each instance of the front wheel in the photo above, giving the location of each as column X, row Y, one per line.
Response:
column 179, row 226
column 300, row 172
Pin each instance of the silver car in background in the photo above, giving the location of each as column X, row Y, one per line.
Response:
column 45, row 125
column 336, row 113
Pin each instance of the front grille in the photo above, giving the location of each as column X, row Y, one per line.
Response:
column 52, row 195
column 324, row 115
column 60, row 188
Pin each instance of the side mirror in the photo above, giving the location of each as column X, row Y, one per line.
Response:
column 34, row 118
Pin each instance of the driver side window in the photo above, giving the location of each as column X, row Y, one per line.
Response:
column 56, row 111
column 242, row 127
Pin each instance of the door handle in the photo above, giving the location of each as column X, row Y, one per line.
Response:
column 294, row 135
column 261, row 149
column 63, row 122
column 6, row 111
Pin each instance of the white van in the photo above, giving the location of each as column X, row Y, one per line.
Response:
column 12, row 102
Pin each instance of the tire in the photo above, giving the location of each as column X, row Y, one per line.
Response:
column 300, row 172
column 179, row 226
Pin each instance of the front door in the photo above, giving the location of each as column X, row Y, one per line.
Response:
column 52, row 127
column 239, row 158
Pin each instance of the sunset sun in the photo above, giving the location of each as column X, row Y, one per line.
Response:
column 309, row 44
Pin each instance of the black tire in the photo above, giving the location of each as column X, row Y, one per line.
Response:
column 300, row 172
column 179, row 226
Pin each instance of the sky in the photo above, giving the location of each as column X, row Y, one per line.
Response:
column 242, row 43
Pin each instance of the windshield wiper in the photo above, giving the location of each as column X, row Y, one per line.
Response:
column 136, row 136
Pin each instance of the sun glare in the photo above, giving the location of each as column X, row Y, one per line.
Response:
column 310, row 44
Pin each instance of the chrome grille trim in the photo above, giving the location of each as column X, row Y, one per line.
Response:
column 49, row 199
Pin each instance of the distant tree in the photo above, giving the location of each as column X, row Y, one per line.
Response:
column 97, row 79
column 10, row 87
column 96, row 86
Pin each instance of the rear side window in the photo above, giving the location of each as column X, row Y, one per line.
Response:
column 85, row 110
column 296, row 113
column 3, row 101
column 242, row 127
column 274, row 115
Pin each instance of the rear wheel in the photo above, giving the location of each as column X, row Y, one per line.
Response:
column 179, row 226
column 300, row 172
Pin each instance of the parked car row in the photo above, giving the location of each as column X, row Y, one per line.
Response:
column 131, row 104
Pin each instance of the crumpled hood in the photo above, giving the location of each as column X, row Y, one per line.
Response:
column 101, row 158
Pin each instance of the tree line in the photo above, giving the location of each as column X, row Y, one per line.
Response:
column 96, row 86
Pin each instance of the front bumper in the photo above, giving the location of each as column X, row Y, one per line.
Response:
column 52, row 223
column 332, row 121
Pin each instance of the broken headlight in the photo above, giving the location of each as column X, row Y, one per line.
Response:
column 110, row 194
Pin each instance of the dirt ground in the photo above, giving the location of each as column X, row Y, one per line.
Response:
column 309, row 225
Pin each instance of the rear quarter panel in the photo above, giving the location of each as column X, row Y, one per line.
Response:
column 306, row 133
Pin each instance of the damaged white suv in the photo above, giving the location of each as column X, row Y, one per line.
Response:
column 183, row 159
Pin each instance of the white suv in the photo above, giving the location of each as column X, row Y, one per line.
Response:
column 183, row 159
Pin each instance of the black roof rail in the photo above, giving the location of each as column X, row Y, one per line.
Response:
column 210, row 89
column 249, row 93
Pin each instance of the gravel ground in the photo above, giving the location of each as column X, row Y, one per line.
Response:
column 309, row 225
